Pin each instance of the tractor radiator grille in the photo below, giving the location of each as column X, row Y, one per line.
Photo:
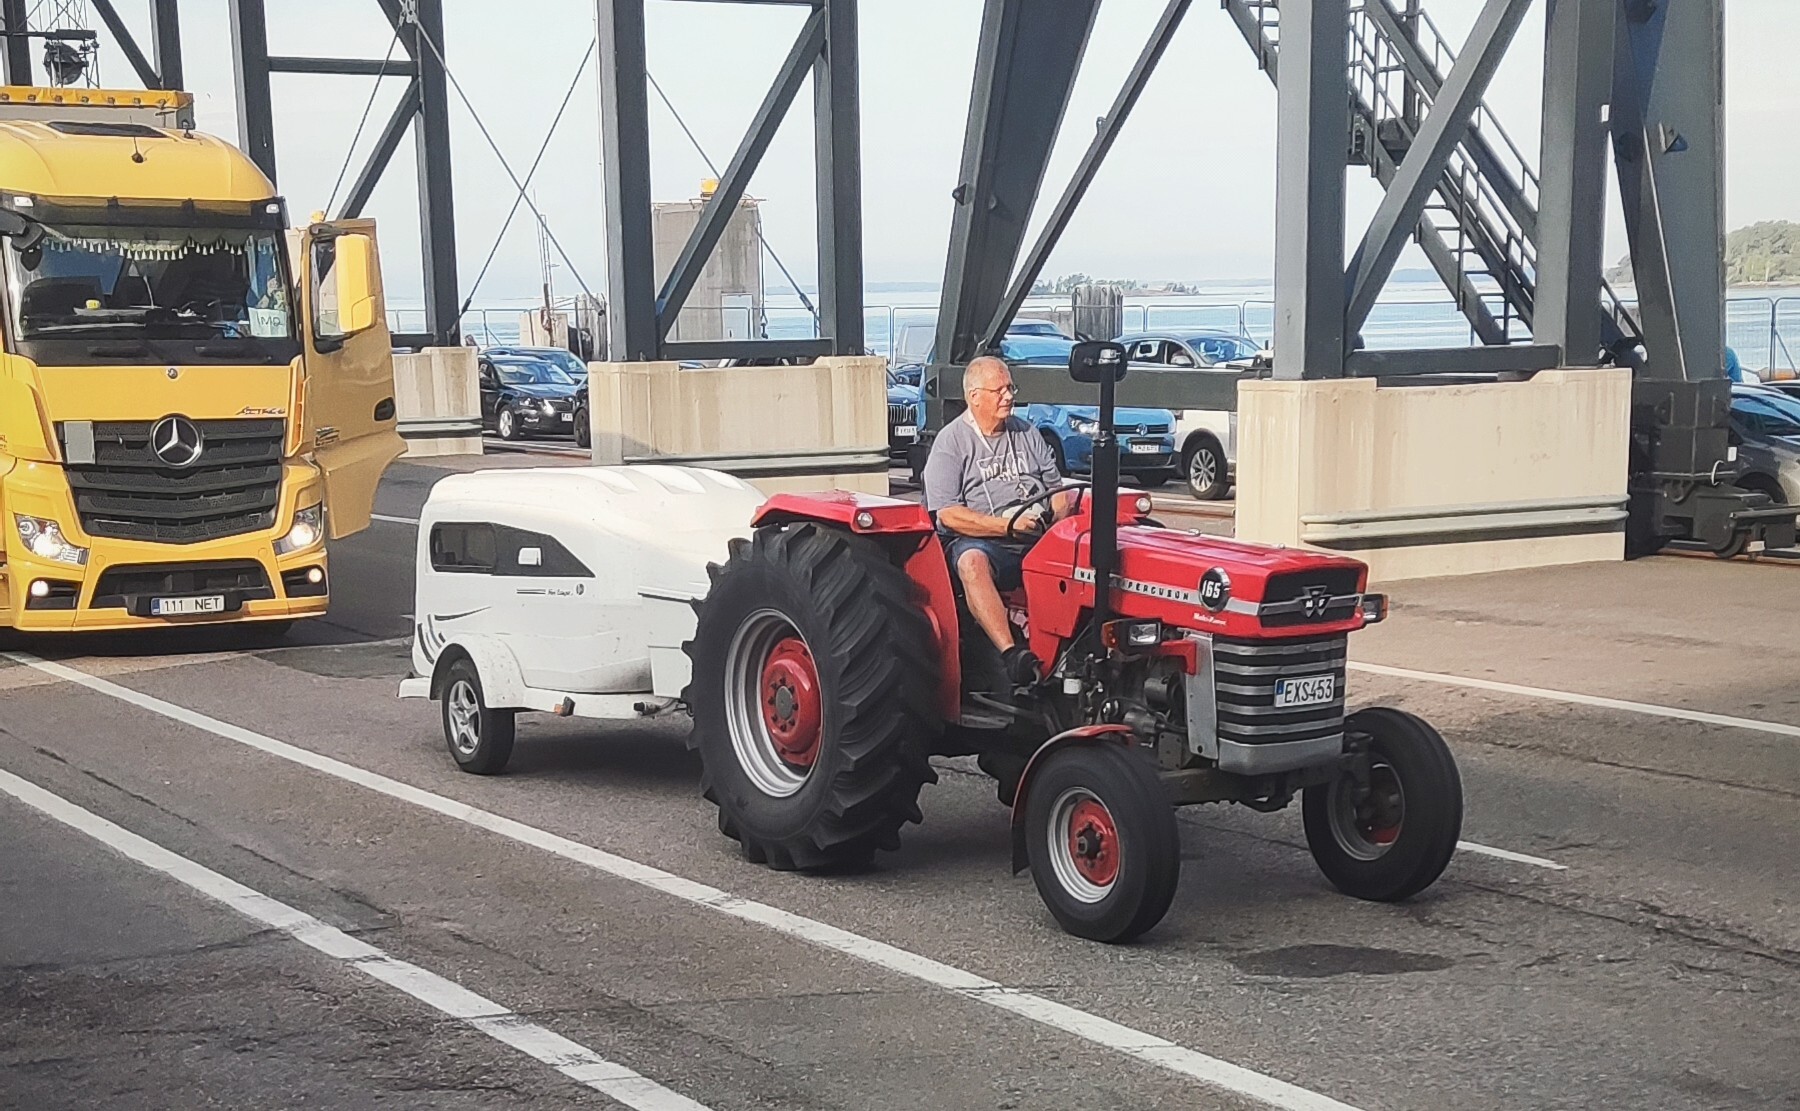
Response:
column 127, row 493
column 1246, row 673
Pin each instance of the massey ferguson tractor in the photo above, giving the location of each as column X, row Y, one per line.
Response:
column 826, row 664
column 827, row 669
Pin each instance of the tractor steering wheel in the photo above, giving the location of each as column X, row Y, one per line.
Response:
column 1014, row 536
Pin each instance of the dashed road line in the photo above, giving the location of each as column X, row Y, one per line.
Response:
column 1676, row 713
column 1136, row 1044
column 572, row 1059
column 1508, row 854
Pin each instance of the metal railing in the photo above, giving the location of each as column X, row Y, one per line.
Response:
column 1764, row 331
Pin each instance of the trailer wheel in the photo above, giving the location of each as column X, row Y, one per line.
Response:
column 814, row 683
column 1101, row 837
column 1392, row 837
column 480, row 737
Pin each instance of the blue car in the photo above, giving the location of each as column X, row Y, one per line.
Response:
column 1146, row 440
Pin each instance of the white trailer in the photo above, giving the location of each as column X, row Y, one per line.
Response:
column 566, row 590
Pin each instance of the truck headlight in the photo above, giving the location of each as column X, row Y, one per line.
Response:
column 308, row 529
column 44, row 538
column 1088, row 428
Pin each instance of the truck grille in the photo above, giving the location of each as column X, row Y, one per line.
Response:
column 127, row 493
column 1246, row 672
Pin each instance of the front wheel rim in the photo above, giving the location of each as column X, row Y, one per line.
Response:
column 1367, row 823
column 1084, row 845
column 506, row 424
column 774, row 705
column 465, row 718
column 1203, row 469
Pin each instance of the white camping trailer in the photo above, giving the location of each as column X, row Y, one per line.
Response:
column 567, row 590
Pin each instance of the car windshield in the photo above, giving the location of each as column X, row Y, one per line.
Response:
column 1770, row 414
column 570, row 362
column 123, row 285
column 532, row 374
column 1223, row 349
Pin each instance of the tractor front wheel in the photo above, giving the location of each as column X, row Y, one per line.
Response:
column 1101, row 838
column 1388, row 835
column 814, row 685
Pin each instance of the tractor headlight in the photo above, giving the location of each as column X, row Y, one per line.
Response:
column 44, row 538
column 308, row 529
column 1088, row 428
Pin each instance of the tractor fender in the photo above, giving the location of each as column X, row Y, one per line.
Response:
column 502, row 683
column 1081, row 735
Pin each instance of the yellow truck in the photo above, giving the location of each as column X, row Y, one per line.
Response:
column 193, row 397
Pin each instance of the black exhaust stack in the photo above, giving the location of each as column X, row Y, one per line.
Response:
column 1102, row 363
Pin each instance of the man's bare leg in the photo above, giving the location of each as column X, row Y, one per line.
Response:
column 983, row 597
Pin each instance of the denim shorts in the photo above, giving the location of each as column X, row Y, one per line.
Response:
column 1007, row 560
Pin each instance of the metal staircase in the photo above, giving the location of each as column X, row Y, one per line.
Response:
column 1480, row 229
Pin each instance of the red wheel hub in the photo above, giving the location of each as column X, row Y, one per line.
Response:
column 791, row 707
column 1094, row 842
column 1384, row 812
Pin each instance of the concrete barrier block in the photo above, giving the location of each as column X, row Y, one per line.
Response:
column 1438, row 480
column 816, row 427
column 437, row 398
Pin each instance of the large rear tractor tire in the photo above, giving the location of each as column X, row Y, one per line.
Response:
column 1390, row 838
column 814, row 686
column 1101, row 837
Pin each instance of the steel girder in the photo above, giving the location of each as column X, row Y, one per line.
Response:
column 641, row 313
column 424, row 108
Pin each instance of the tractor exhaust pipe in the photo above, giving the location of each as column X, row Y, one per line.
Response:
column 1104, row 364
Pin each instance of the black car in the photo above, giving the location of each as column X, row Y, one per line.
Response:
column 584, row 432
column 524, row 396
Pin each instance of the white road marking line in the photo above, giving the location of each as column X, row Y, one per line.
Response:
column 576, row 1061
column 1508, row 854
column 1092, row 1028
column 1777, row 728
column 393, row 520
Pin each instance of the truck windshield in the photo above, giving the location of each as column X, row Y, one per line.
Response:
column 115, row 293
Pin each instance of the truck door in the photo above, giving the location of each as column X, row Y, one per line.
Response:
column 347, row 417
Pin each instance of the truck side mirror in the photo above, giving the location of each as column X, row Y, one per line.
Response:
column 1093, row 361
column 343, row 269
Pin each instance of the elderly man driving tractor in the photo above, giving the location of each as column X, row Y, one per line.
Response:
column 982, row 464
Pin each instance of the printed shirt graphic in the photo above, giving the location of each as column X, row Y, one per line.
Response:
column 988, row 473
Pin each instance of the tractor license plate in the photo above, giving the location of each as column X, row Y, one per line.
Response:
column 1146, row 449
column 178, row 607
column 1310, row 691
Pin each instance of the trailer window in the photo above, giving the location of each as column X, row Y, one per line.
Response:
column 466, row 549
column 555, row 561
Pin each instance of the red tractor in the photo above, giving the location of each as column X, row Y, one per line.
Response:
column 828, row 669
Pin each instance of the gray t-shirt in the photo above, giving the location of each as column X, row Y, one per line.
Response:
column 988, row 473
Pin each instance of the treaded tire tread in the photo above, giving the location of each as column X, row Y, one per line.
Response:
column 1434, row 812
column 878, row 675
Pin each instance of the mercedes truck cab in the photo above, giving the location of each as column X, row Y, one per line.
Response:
column 193, row 397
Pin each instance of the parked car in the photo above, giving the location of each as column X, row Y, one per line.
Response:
column 1206, row 438
column 906, row 422
column 570, row 362
column 1146, row 440
column 521, row 396
column 1791, row 387
column 1146, row 436
column 1765, row 429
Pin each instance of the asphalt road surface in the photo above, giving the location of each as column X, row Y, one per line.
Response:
column 244, row 874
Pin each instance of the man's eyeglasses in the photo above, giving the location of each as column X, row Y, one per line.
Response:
column 1009, row 389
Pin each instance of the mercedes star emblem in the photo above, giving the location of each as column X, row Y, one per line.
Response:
column 176, row 441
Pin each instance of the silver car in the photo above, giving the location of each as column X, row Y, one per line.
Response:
column 1765, row 429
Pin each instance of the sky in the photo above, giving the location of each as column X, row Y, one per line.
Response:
column 1187, row 193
